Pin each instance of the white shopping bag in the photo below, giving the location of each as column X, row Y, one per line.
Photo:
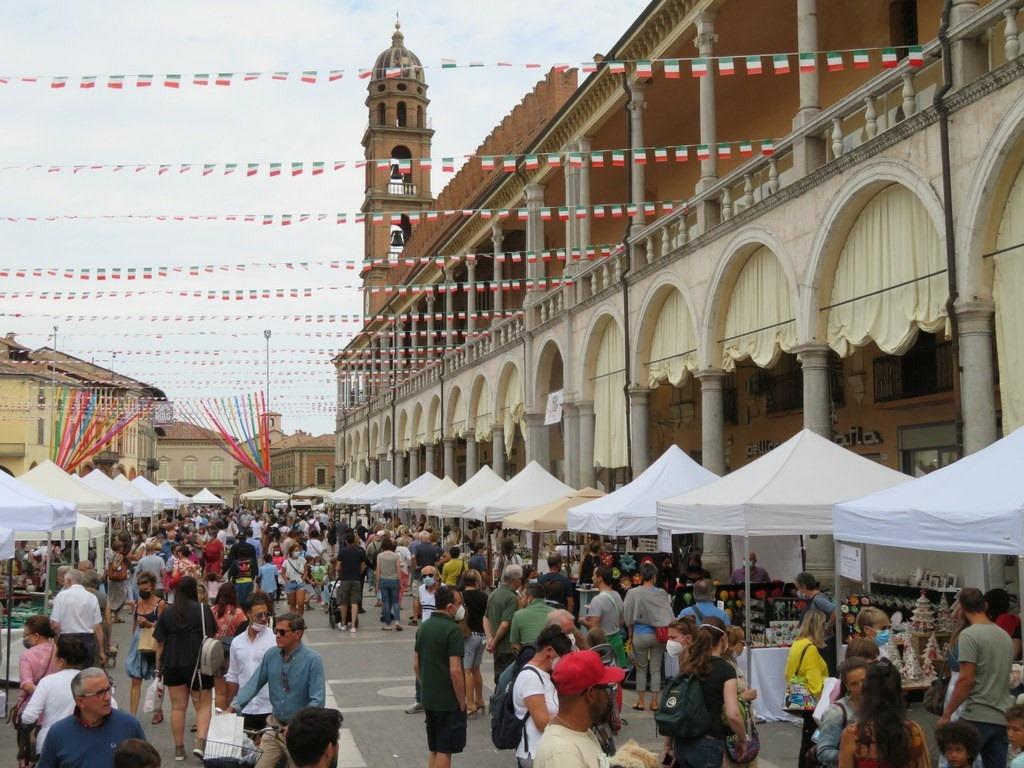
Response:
column 154, row 698
column 225, row 737
column 829, row 696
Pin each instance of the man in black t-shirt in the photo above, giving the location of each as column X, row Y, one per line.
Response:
column 555, row 574
column 351, row 566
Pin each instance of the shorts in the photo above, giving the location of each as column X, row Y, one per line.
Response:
column 473, row 656
column 350, row 592
column 446, row 732
column 297, row 586
column 187, row 676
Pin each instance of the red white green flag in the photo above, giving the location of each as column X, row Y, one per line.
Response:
column 487, row 163
column 587, row 67
column 58, row 82
column 575, row 159
column 650, row 209
column 448, row 164
column 618, row 157
column 563, row 214
column 508, row 164
column 915, row 55
column 318, row 168
column 699, row 67
column 644, row 69
column 163, row 169
column 309, row 76
column 808, row 62
column 279, row 76
column 275, row 169
column 640, row 156
column 597, row 159
column 201, row 79
column 598, row 211
column 250, row 76
column 143, row 81
column 767, row 148
column 616, row 211
column 224, row 78
column 726, row 66
column 531, row 162
column 682, row 154
column 251, row 169
column 334, row 75
column 661, row 154
column 296, row 169
column 172, row 81
column 522, row 214
column 753, row 65
column 617, row 67
column 780, row 64
column 268, row 218
column 383, row 164
column 834, row 61
column 631, row 210
column 230, row 168
column 89, row 81
column 364, row 73
column 553, row 159
column 725, row 151
column 425, row 164
column 207, row 169
column 286, row 219
column 889, row 58
column 184, row 168
column 672, row 69
column 392, row 72
column 703, row 152
column 581, row 212
column 448, row 64
column 861, row 60
column 545, row 214
column 746, row 149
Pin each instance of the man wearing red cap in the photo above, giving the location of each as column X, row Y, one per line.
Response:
column 584, row 697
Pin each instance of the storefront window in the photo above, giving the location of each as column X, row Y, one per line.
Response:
column 928, row 447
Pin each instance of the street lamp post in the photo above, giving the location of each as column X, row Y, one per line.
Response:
column 266, row 335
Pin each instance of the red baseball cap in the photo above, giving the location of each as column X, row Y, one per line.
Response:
column 579, row 670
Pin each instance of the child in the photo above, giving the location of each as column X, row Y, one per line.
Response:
column 958, row 743
column 212, row 587
column 268, row 576
column 1015, row 733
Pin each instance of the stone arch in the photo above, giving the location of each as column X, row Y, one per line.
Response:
column 403, row 440
column 373, row 446
column 417, row 427
column 385, row 435
column 550, row 365
column 433, row 428
column 480, row 414
column 509, row 400
column 604, row 381
column 666, row 288
column 868, row 181
column 603, row 314
column 455, row 413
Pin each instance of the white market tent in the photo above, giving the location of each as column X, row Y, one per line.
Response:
column 311, row 493
column 355, row 491
column 53, row 481
column 24, row 508
column 166, row 498
column 6, row 543
column 632, row 509
column 532, row 487
column 553, row 516
column 974, row 505
column 483, row 484
column 263, row 494
column 443, row 488
column 351, row 488
column 412, row 490
column 135, row 502
column 790, row 490
column 207, row 497
column 374, row 493
column 173, row 493
column 149, row 504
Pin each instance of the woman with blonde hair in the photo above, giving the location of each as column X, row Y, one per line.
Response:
column 874, row 624
column 806, row 664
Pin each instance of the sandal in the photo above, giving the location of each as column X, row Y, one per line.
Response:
column 158, row 717
column 639, row 706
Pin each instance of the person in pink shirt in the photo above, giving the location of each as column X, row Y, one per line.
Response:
column 38, row 660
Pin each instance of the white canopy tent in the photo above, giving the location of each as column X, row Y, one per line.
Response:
column 975, row 505
column 166, row 498
column 24, row 508
column 311, row 493
column 53, row 481
column 532, row 487
column 374, row 493
column 484, row 483
column 441, row 489
column 349, row 489
column 411, row 490
column 632, row 509
column 6, row 543
column 208, row 498
column 347, row 486
column 173, row 493
column 135, row 502
column 263, row 494
column 150, row 505
column 357, row 490
column 790, row 490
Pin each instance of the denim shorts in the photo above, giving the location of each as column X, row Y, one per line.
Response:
column 473, row 655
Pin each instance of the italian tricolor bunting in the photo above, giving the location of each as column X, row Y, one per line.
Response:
column 172, row 81
column 861, row 60
column 672, row 69
column 703, row 152
column 767, row 148
column 448, row 64
column 251, row 169
column 746, row 149
column 334, row 75
column 487, row 163
column 531, row 162
column 143, row 81
column 88, row 82
column 318, row 168
column 224, row 78
column 699, row 67
column 915, row 55
column 230, row 168
column 753, row 65
column 448, row 165
column 618, row 157
column 780, row 64
column 275, row 169
column 508, row 164
column 58, row 82
column 617, row 67
column 296, row 169
column 200, row 79
column 889, row 58
column 207, row 169
column 682, row 154
column 309, row 76
column 725, row 151
column 661, row 155
column 726, row 66
column 597, row 159
column 834, row 61
column 640, row 156
column 808, row 62
column 553, row 159
column 644, row 69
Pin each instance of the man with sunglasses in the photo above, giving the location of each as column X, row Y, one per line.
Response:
column 295, row 676
column 89, row 737
column 585, row 695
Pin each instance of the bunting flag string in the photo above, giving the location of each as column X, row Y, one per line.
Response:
column 490, row 314
column 86, row 421
column 241, row 425
column 670, row 68
column 509, row 163
column 392, row 260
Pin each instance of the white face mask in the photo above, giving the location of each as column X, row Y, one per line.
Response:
column 674, row 648
column 460, row 613
column 572, row 640
column 258, row 628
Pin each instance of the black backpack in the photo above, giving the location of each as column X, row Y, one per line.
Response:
column 682, row 713
column 506, row 728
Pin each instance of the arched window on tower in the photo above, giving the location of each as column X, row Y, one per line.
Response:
column 400, row 179
column 402, row 116
column 381, row 115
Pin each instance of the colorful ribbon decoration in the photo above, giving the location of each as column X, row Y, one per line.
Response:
column 88, row 420
column 241, row 415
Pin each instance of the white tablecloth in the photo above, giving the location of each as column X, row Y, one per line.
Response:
column 768, row 678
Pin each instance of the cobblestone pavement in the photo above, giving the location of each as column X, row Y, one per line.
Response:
column 370, row 680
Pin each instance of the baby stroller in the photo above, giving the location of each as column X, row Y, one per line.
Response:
column 331, row 606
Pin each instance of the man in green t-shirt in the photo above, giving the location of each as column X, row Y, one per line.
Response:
column 438, row 667
column 501, row 608
column 530, row 620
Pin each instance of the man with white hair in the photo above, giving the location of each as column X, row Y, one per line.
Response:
column 501, row 607
column 562, row 618
column 76, row 613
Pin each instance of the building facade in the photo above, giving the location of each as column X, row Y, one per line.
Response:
column 825, row 249
column 191, row 458
column 301, row 460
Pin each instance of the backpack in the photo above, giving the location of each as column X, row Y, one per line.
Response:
column 682, row 713
column 212, row 658
column 506, row 728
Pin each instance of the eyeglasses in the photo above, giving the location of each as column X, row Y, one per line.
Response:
column 282, row 632
column 108, row 691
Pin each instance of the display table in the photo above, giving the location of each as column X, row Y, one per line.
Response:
column 768, row 678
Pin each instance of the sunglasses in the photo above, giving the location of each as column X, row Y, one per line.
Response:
column 283, row 632
column 108, row 691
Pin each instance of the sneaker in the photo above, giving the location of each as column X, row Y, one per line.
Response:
column 199, row 749
column 353, row 630
column 179, row 754
column 417, row 707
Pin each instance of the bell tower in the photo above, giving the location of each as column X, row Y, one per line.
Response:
column 397, row 132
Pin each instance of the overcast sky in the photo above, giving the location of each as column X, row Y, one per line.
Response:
column 259, row 121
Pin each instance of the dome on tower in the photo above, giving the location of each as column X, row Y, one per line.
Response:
column 398, row 57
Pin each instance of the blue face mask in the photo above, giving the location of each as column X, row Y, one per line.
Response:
column 882, row 637
column 428, row 581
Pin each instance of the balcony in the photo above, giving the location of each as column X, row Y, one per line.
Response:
column 106, row 458
column 926, row 369
column 398, row 187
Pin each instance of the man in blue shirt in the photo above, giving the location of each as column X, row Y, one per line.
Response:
column 296, row 680
column 704, row 604
column 89, row 737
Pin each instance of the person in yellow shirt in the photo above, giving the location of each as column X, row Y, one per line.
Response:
column 805, row 661
column 454, row 568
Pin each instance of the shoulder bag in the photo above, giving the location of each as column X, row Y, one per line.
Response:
column 799, row 699
column 211, row 653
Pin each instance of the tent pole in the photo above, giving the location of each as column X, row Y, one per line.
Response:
column 839, row 597
column 986, row 564
column 46, row 572
column 10, row 626
column 746, row 605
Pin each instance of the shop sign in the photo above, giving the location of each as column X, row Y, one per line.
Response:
column 761, row 447
column 857, row 436
column 849, row 562
column 553, row 411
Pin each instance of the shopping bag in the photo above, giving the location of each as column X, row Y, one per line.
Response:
column 154, row 698
column 829, row 694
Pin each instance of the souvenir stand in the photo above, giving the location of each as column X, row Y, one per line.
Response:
column 952, row 519
column 788, row 491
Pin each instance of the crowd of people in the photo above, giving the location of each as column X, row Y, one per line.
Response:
column 201, row 593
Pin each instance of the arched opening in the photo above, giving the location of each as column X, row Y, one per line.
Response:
column 382, row 114
column 400, row 179
column 402, row 115
column 511, row 413
column 434, row 436
column 482, row 420
column 550, row 381
column 606, row 373
column 1007, row 279
column 456, row 423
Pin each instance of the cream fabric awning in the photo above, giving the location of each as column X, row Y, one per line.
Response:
column 419, row 429
column 512, row 408
column 1008, row 281
column 483, row 416
column 760, row 322
column 610, row 400
column 458, row 416
column 674, row 344
column 435, row 427
column 893, row 242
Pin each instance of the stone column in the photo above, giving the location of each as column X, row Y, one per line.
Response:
column 498, row 450
column 970, row 57
column 472, row 461
column 712, row 419
column 428, row 458
column 374, row 478
column 399, row 347
column 587, row 422
column 814, row 361
column 637, row 191
column 571, row 425
column 708, row 211
column 470, row 293
column 497, row 241
column 572, row 176
column 397, row 468
column 583, row 243
column 536, row 439
column 640, row 457
column 449, row 457
column 534, row 235
column 449, row 311
column 431, row 336
column 809, row 151
column 414, row 463
column 414, row 339
column 977, row 379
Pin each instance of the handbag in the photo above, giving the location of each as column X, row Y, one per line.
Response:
column 211, row 653
column 154, row 698
column 799, row 698
column 935, row 696
column 661, row 634
column 147, row 643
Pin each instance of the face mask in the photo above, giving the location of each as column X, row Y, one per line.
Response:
column 145, row 594
column 428, row 581
column 572, row 640
column 883, row 637
column 260, row 628
column 26, row 642
column 460, row 613
column 674, row 648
